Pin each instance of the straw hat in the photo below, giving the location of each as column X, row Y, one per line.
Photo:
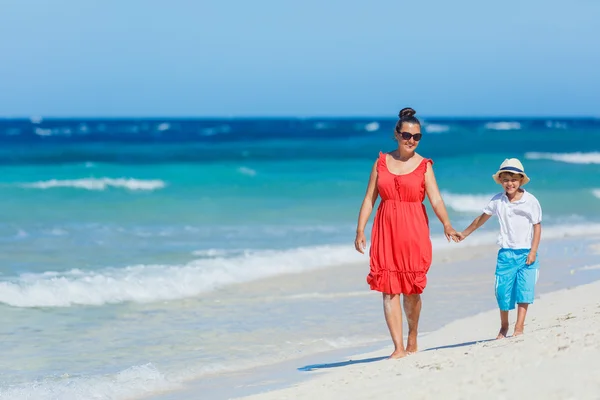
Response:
column 511, row 165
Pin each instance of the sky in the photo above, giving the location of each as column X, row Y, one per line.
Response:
column 225, row 58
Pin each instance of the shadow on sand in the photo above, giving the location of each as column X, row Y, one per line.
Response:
column 314, row 367
column 340, row 364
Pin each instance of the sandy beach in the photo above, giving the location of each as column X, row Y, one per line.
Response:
column 557, row 358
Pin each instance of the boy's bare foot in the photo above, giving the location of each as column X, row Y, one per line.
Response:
column 411, row 344
column 398, row 354
column 503, row 332
column 518, row 330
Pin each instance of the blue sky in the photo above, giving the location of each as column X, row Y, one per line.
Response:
column 299, row 58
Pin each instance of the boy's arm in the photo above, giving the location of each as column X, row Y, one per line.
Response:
column 535, row 243
column 477, row 223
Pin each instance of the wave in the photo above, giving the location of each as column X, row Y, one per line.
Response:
column 503, row 126
column 130, row 383
column 213, row 269
column 97, row 184
column 436, row 128
column 372, row 127
column 247, row 171
column 467, row 203
column 556, row 125
column 596, row 192
column 147, row 380
column 572, row 158
column 149, row 283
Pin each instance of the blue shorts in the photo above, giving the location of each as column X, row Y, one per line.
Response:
column 515, row 280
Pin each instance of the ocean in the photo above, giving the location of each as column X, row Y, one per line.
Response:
column 134, row 253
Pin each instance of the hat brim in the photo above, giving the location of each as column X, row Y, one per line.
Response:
column 496, row 177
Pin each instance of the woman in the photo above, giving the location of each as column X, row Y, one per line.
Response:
column 400, row 253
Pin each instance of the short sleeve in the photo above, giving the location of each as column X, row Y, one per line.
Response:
column 535, row 211
column 491, row 207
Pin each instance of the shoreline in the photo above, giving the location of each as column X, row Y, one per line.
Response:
column 467, row 262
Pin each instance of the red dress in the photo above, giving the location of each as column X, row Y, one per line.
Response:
column 400, row 253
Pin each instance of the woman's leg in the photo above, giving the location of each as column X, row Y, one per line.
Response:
column 393, row 318
column 412, row 309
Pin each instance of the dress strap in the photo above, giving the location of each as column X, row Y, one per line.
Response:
column 381, row 164
column 424, row 163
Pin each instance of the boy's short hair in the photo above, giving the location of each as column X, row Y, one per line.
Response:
column 511, row 174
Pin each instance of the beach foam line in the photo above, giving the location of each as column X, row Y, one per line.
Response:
column 130, row 383
column 152, row 283
column 97, row 184
column 149, row 283
column 571, row 158
column 145, row 380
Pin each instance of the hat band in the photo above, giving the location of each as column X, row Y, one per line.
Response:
column 511, row 169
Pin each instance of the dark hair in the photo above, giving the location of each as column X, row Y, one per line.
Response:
column 406, row 115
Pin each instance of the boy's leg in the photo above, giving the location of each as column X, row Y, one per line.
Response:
column 521, row 314
column 526, row 279
column 506, row 272
column 503, row 325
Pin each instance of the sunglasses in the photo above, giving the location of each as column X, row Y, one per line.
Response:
column 408, row 135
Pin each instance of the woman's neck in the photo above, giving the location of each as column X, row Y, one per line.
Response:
column 403, row 157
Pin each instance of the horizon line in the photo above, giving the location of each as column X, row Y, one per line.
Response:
column 290, row 117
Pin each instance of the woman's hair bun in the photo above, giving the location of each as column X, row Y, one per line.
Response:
column 406, row 113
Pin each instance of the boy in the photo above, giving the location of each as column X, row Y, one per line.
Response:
column 520, row 217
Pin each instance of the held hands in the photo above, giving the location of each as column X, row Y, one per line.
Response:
column 452, row 234
column 360, row 243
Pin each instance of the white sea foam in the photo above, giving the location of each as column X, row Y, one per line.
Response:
column 467, row 203
column 213, row 253
column 372, row 127
column 572, row 158
column 147, row 380
column 556, row 125
column 149, row 283
column 165, row 126
column 596, row 192
column 130, row 383
column 247, row 171
column 503, row 126
column 436, row 128
column 97, row 184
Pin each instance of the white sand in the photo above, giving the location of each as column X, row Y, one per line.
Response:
column 557, row 358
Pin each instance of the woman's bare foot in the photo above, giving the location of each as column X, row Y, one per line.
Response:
column 411, row 344
column 398, row 354
column 503, row 332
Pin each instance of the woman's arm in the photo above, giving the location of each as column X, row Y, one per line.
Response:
column 435, row 198
column 365, row 211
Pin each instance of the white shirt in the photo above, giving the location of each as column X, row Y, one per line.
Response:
column 516, row 219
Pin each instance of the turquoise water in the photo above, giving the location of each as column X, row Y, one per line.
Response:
column 107, row 245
